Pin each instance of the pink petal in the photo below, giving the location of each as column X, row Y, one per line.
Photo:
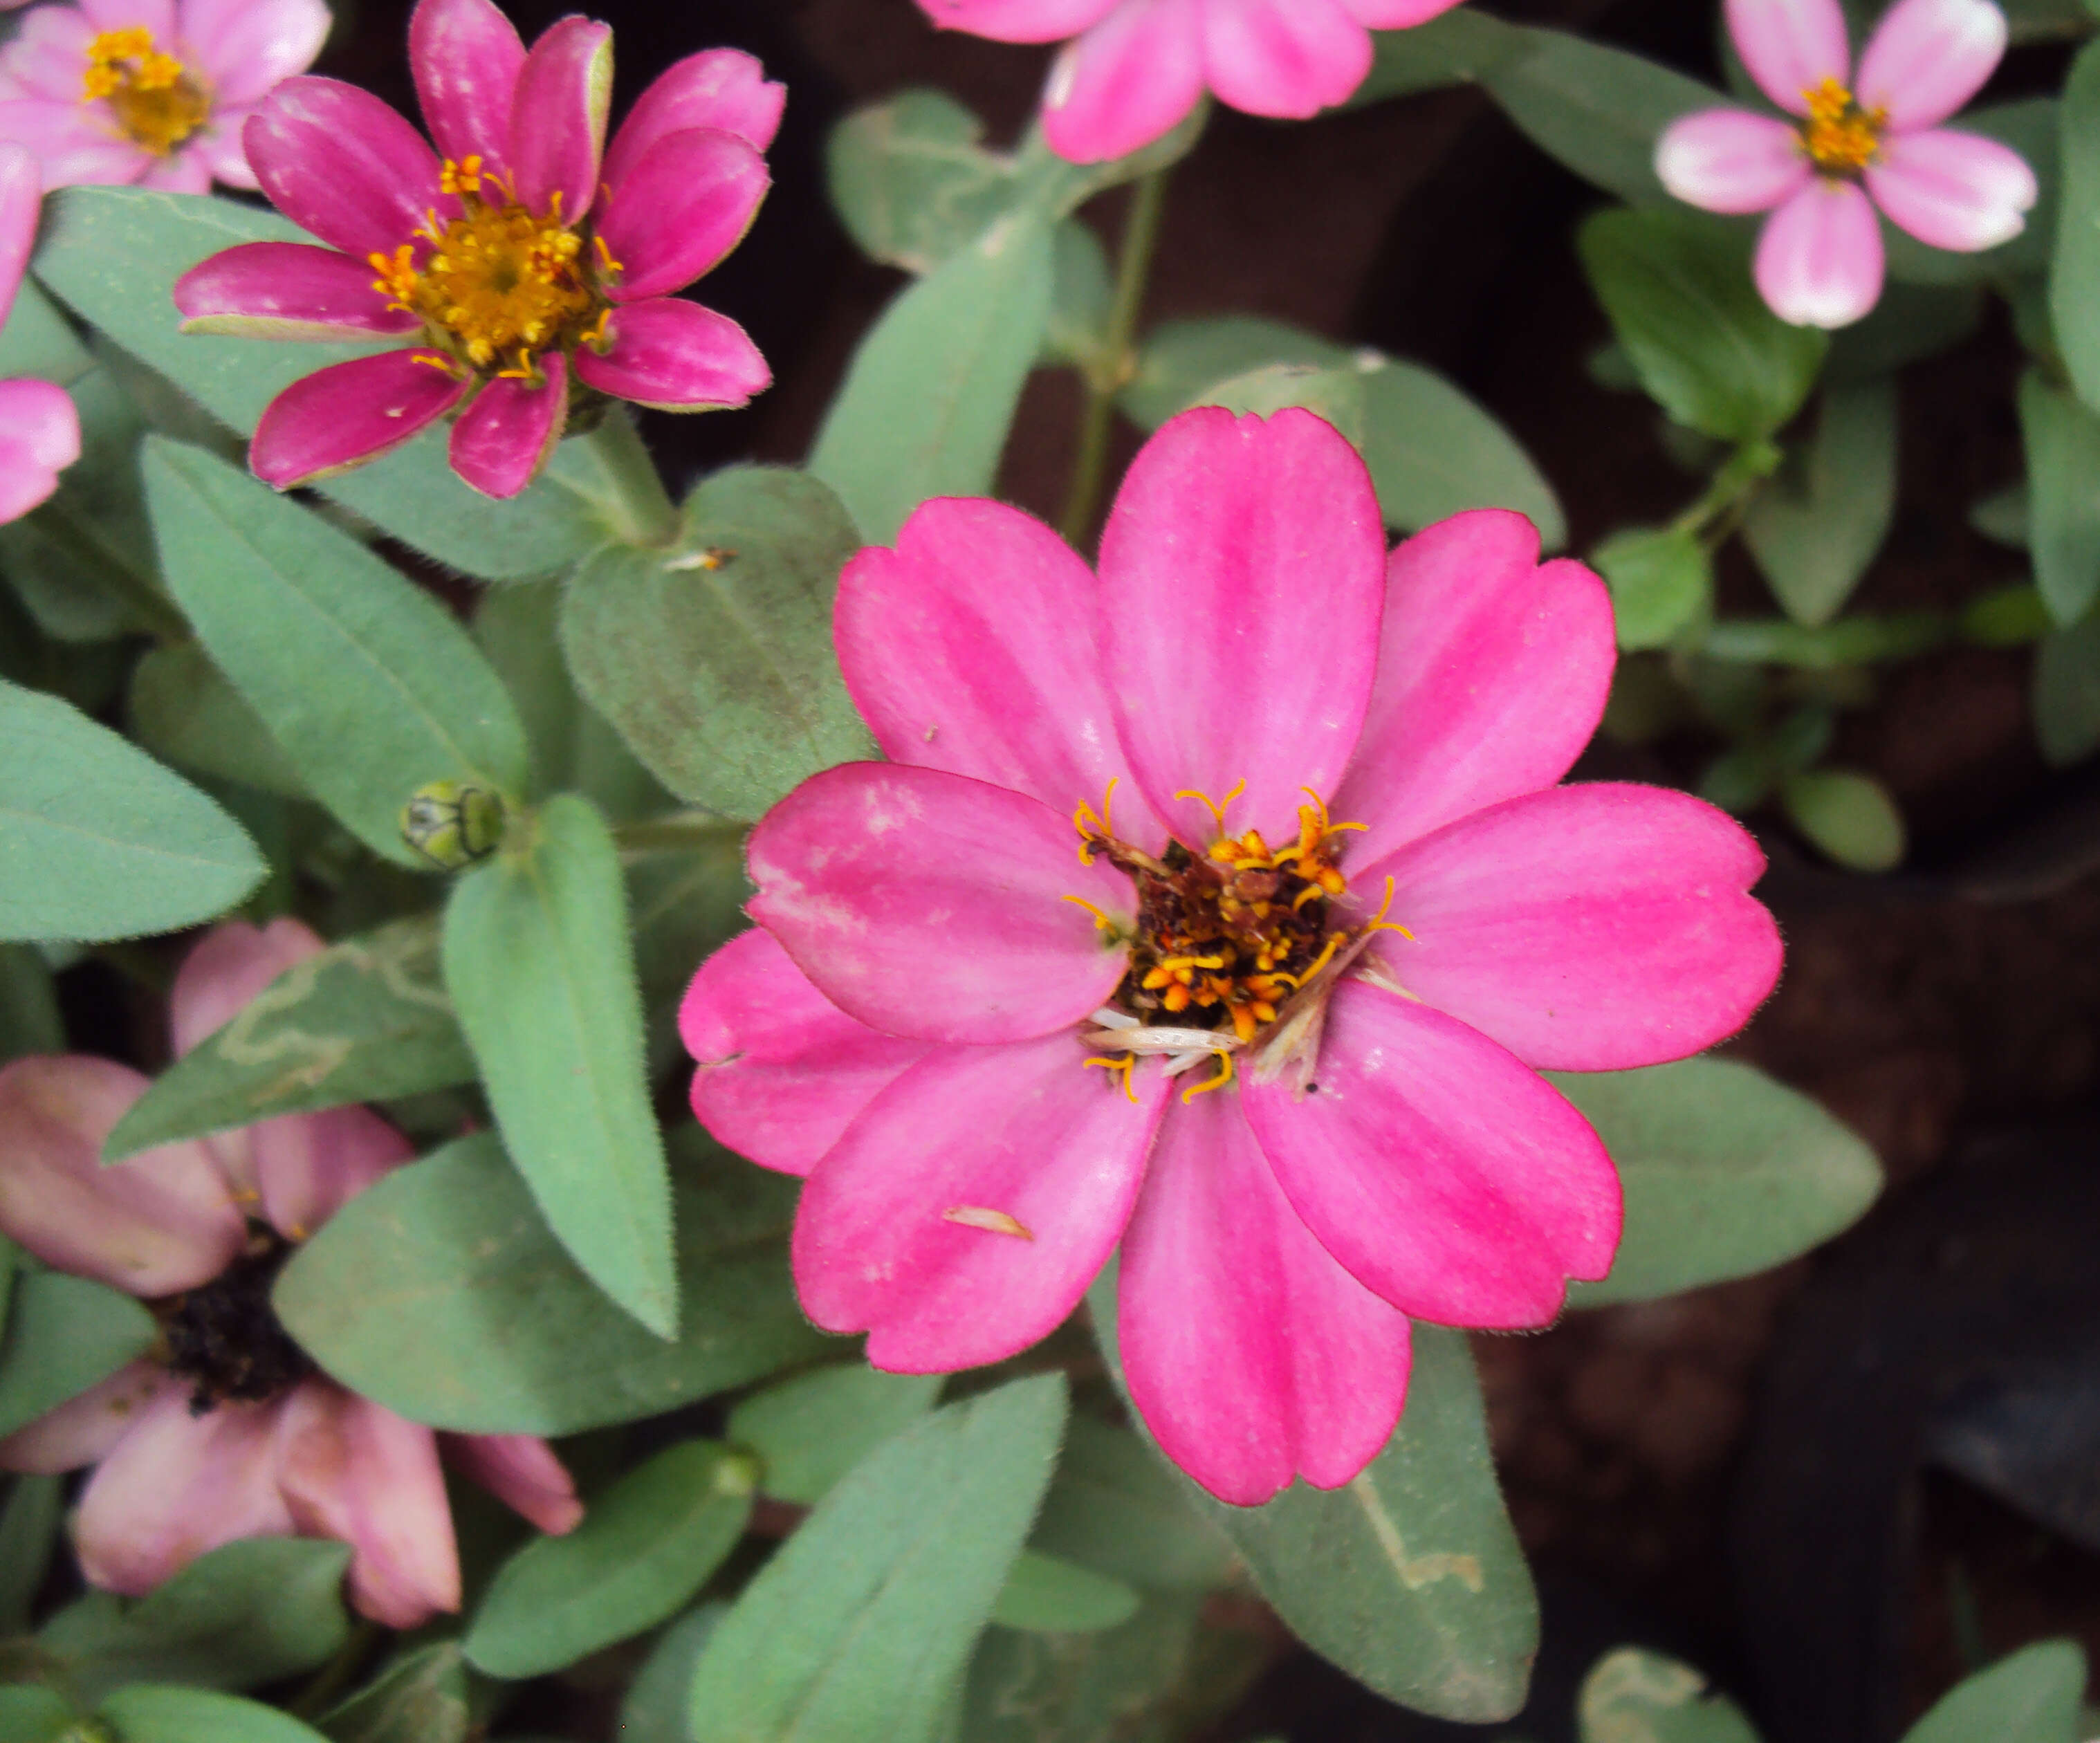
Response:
column 1790, row 46
column 155, row 16
column 1132, row 77
column 248, row 46
column 1730, row 160
column 39, row 439
column 686, row 203
column 21, row 193
column 73, row 144
column 1018, row 20
column 504, row 436
column 1492, row 672
column 1441, row 1172
column 934, row 908
column 1252, row 1355
column 557, row 116
column 1926, row 58
column 340, row 164
column 225, row 970
column 176, row 1486
column 782, row 1070
column 308, row 1166
column 286, row 290
column 163, row 1221
column 351, row 413
column 49, row 55
column 1819, row 260
column 1023, row 1133
column 1396, row 14
column 1594, row 927
column 1953, row 190
column 466, row 56
column 975, row 646
column 721, row 88
column 82, row 1431
column 185, row 171
column 522, row 1471
column 676, row 356
column 353, row 1470
column 1283, row 57
column 1244, row 573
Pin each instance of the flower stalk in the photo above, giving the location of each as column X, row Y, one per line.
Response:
column 638, row 506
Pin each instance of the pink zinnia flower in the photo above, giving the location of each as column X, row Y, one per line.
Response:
column 1857, row 143
column 151, row 91
column 39, row 429
column 1364, row 1137
column 226, row 1431
column 527, row 260
column 1134, row 68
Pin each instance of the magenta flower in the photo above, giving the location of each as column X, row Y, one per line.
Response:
column 151, row 91
column 1855, row 145
column 527, row 262
column 225, row 1430
column 39, row 429
column 1364, row 1137
column 1134, row 68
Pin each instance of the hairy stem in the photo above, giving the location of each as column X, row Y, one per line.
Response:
column 642, row 510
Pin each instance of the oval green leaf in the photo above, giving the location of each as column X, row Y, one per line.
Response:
column 1634, row 1697
column 1817, row 526
column 2033, row 1696
column 809, row 1431
column 64, row 1334
column 145, row 1714
column 2062, row 443
column 1043, row 1595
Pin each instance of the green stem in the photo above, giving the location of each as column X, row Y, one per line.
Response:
column 1729, row 493
column 642, row 510
column 682, row 830
column 334, row 1676
column 1112, row 369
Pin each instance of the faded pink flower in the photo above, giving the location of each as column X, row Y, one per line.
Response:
column 1133, row 69
column 528, row 259
column 1856, row 144
column 39, row 429
column 150, row 91
column 1365, row 1138
column 227, row 1430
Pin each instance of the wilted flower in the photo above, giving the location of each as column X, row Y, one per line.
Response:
column 227, row 1429
column 1134, row 68
column 1856, row 144
column 151, row 91
column 1324, row 913
column 39, row 429
column 527, row 261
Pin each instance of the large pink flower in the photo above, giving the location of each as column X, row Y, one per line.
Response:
column 226, row 1431
column 1312, row 1124
column 1134, row 68
column 151, row 91
column 39, row 429
column 527, row 260
column 1857, row 143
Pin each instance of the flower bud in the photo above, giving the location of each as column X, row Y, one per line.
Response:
column 452, row 824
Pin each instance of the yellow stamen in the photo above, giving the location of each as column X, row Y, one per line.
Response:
column 1095, row 827
column 1224, row 1076
column 1217, row 810
column 1378, row 923
column 1101, row 919
column 463, row 177
column 1841, row 138
column 1173, row 964
column 151, row 95
column 1126, row 1064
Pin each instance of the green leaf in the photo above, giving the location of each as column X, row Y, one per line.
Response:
column 1910, row 324
column 2029, row 126
column 1634, row 1696
column 2003, row 516
column 29, row 1020
column 1859, row 639
column 64, row 1334
column 912, row 180
column 439, row 1293
column 809, row 1431
column 1661, row 580
column 2074, row 284
column 98, row 840
column 1410, row 1577
column 2067, row 693
column 1334, row 395
column 1082, row 298
column 366, row 1020
column 1677, row 286
column 928, row 402
column 540, row 967
column 1135, row 1684
column 1182, row 359
column 39, row 340
column 370, row 686
column 28, row 1533
column 30, row 1714
column 1045, row 1595
column 2063, row 442
column 687, row 904
column 422, row 1697
column 654, row 1710
column 1112, row 1508
column 1817, row 525
column 645, row 1545
column 1434, row 452
column 860, row 1626
column 1455, row 48
column 184, row 712
column 2032, row 1696
column 714, row 659
column 147, row 1714
column 1726, row 1172
column 1852, row 817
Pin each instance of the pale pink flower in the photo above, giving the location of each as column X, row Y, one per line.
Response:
column 39, row 429
column 1133, row 69
column 1856, row 144
column 227, row 1430
column 1365, row 1137
column 528, row 258
column 150, row 91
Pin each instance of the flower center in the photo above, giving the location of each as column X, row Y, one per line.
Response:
column 499, row 287
column 152, row 95
column 227, row 1338
column 1840, row 137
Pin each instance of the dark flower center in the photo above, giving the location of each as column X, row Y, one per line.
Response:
column 226, row 1337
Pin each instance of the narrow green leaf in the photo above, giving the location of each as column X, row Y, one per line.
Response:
column 540, row 967
column 2063, row 442
column 1726, row 1172
column 809, row 1431
column 1183, row 359
column 145, row 1714
column 654, row 1710
column 98, row 840
column 64, row 1334
column 183, row 711
column 366, row 1020
column 1459, row 47
column 1045, row 1595
column 1816, row 528
column 926, row 404
column 1141, row 1683
column 1634, row 1696
column 1082, row 298
column 2074, row 284
column 645, row 1545
column 440, row 1293
column 2033, row 1696
column 422, row 1697
column 1433, row 452
column 1661, row 580
column 1852, row 817
column 28, row 1533
column 2066, row 701
column 861, row 1625
column 1114, row 1507
column 715, row 659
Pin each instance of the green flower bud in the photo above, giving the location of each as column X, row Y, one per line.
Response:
column 451, row 824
